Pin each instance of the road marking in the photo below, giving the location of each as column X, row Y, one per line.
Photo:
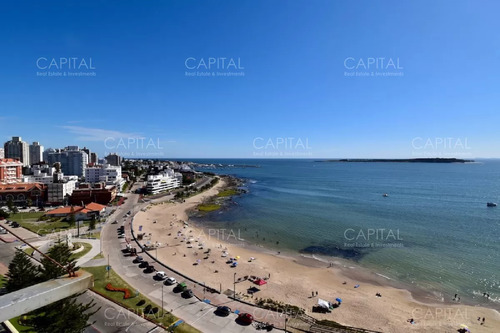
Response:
column 203, row 315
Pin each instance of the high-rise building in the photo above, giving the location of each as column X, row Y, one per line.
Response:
column 87, row 150
column 46, row 153
column 10, row 171
column 36, row 153
column 94, row 158
column 73, row 160
column 18, row 149
column 114, row 159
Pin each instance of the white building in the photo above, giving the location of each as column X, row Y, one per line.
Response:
column 59, row 193
column 45, row 174
column 110, row 174
column 36, row 153
column 166, row 180
column 59, row 186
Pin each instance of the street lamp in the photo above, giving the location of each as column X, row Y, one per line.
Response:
column 234, row 285
column 162, row 299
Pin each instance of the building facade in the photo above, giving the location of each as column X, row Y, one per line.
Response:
column 87, row 193
column 18, row 149
column 11, row 171
column 165, row 181
column 73, row 160
column 94, row 158
column 2, row 153
column 114, row 159
column 109, row 174
column 20, row 193
column 36, row 152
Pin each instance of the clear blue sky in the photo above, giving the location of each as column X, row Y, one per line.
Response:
column 294, row 83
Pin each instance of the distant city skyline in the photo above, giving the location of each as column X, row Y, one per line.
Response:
column 173, row 82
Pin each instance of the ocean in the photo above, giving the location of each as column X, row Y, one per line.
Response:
column 432, row 232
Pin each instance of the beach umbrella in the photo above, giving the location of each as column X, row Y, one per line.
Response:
column 338, row 299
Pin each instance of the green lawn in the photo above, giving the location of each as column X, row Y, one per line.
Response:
column 29, row 251
column 227, row 193
column 19, row 327
column 99, row 256
column 208, row 208
column 86, row 248
column 101, row 280
column 30, row 222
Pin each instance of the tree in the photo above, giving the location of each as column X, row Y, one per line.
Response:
column 29, row 202
column 92, row 223
column 72, row 218
column 65, row 315
column 10, row 204
column 22, row 272
column 4, row 214
column 59, row 252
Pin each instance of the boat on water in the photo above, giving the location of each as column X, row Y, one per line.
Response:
column 491, row 204
column 385, row 195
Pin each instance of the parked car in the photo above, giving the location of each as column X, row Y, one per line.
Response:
column 2, row 231
column 188, row 293
column 245, row 318
column 15, row 225
column 180, row 287
column 161, row 275
column 170, row 281
column 149, row 269
column 138, row 259
column 223, row 311
column 144, row 264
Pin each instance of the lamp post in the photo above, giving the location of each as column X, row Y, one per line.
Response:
column 234, row 286
column 162, row 299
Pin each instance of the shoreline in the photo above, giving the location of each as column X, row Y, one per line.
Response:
column 295, row 276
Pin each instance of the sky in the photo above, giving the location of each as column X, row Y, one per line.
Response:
column 307, row 79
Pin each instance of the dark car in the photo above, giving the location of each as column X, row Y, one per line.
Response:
column 245, row 318
column 180, row 287
column 15, row 225
column 149, row 269
column 114, row 222
column 144, row 264
column 188, row 293
column 223, row 311
column 138, row 259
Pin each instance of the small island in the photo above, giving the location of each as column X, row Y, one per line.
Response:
column 403, row 160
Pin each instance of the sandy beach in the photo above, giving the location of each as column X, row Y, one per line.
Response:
column 184, row 246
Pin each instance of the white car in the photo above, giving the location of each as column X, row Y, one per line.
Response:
column 161, row 275
column 2, row 231
column 171, row 281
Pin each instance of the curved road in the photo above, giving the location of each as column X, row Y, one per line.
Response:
column 196, row 313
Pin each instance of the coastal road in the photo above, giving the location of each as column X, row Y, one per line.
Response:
column 113, row 318
column 196, row 313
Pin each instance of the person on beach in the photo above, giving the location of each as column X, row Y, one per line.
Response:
column 483, row 321
column 454, row 298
